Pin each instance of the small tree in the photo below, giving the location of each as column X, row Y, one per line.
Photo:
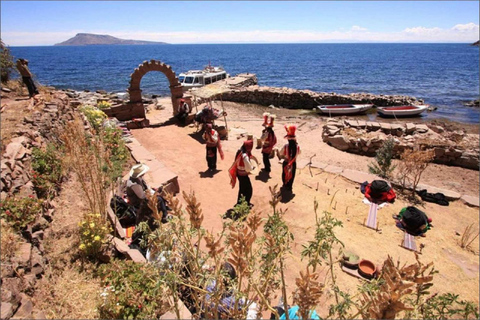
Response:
column 6, row 60
column 413, row 164
column 383, row 157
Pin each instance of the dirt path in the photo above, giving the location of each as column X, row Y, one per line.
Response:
column 182, row 150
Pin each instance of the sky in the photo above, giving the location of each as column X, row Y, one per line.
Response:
column 43, row 23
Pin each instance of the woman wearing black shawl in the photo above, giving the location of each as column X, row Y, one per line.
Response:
column 289, row 154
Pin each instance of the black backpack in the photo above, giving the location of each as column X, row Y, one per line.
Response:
column 125, row 213
column 414, row 218
column 377, row 187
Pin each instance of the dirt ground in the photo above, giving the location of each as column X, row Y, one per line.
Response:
column 182, row 150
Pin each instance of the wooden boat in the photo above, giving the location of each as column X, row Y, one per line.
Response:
column 342, row 109
column 402, row 111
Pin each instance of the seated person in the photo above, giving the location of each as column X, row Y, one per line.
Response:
column 137, row 198
column 293, row 313
column 227, row 300
column 183, row 111
column 413, row 221
column 378, row 192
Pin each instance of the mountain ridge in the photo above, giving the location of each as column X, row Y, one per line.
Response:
column 87, row 39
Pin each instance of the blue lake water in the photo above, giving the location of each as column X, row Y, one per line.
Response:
column 444, row 75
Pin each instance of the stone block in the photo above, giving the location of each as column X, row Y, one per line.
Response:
column 23, row 254
column 333, row 169
column 120, row 245
column 338, row 142
column 421, row 128
column 136, row 256
column 7, row 310
column 25, row 309
column 471, row 201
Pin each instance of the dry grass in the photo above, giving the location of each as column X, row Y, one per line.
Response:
column 68, row 294
column 469, row 235
column 9, row 241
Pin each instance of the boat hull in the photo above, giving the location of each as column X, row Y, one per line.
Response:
column 402, row 111
column 344, row 109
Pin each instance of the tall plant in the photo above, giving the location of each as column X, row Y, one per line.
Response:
column 413, row 164
column 6, row 62
column 384, row 155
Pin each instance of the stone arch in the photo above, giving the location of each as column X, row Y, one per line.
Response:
column 154, row 65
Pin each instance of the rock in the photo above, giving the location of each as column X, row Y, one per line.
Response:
column 23, row 255
column 7, row 308
column 13, row 285
column 471, row 201
column 40, row 224
column 421, row 128
column 120, row 245
column 25, row 309
column 338, row 142
column 136, row 256
column 29, row 281
column 11, row 297
column 14, row 150
column 5, row 89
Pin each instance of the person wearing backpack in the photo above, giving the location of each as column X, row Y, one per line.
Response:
column 414, row 221
column 379, row 191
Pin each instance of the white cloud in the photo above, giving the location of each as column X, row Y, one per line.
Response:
column 357, row 28
column 469, row 27
column 459, row 33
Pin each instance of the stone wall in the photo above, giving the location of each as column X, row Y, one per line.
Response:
column 306, row 99
column 455, row 148
column 19, row 276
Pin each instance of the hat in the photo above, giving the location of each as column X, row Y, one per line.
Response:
column 290, row 128
column 265, row 119
column 268, row 119
column 138, row 170
column 248, row 145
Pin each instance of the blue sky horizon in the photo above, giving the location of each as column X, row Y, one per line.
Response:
column 45, row 23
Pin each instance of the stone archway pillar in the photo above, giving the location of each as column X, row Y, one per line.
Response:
column 135, row 95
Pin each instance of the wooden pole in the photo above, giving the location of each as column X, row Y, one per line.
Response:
column 224, row 117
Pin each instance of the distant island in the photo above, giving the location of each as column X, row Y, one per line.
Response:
column 476, row 44
column 88, row 39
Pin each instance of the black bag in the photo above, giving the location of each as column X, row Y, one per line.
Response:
column 125, row 213
column 378, row 187
column 438, row 198
column 414, row 219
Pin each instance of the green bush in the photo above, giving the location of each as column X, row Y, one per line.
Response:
column 132, row 291
column 119, row 154
column 6, row 61
column 383, row 157
column 46, row 170
column 20, row 212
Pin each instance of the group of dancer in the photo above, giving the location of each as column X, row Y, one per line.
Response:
column 245, row 163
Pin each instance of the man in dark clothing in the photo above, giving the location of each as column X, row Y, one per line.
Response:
column 22, row 66
column 136, row 195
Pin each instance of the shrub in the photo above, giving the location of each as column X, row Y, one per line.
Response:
column 132, row 291
column 103, row 105
column 46, row 170
column 115, row 145
column 93, row 230
column 383, row 157
column 94, row 116
column 10, row 241
column 413, row 164
column 6, row 61
column 20, row 212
